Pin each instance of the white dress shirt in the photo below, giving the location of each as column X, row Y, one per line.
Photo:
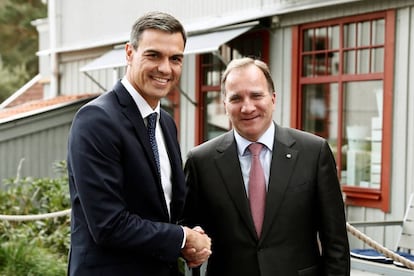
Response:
column 165, row 166
column 265, row 155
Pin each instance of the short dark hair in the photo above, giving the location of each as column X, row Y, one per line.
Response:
column 246, row 61
column 158, row 21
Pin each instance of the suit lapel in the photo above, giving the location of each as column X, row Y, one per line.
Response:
column 283, row 162
column 132, row 113
column 174, row 154
column 228, row 165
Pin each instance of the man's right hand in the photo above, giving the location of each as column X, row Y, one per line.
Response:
column 197, row 248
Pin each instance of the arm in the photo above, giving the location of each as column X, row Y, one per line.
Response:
column 333, row 233
column 96, row 158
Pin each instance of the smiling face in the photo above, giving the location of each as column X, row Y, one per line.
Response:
column 154, row 68
column 248, row 101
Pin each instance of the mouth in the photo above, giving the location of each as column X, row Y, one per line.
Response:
column 251, row 118
column 161, row 80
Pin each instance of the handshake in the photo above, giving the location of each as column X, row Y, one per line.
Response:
column 197, row 248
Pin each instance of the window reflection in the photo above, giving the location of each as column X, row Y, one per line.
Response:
column 215, row 114
column 362, row 133
column 364, row 47
column 321, row 51
column 320, row 112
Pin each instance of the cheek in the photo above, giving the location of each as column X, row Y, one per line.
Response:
column 177, row 69
column 230, row 110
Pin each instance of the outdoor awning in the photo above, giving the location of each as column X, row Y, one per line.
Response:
column 113, row 59
column 210, row 42
column 196, row 44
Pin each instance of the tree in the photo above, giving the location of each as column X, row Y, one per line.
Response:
column 18, row 43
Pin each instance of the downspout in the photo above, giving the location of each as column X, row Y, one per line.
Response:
column 54, row 65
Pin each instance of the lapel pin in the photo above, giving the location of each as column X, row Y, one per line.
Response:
column 288, row 155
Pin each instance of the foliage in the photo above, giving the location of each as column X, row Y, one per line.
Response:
column 19, row 42
column 21, row 258
column 11, row 79
column 35, row 247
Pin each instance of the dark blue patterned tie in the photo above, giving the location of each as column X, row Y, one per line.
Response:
column 151, row 123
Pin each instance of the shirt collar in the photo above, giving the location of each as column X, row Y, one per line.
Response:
column 141, row 103
column 266, row 139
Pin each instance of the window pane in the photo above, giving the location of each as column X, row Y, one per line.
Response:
column 349, row 35
column 216, row 121
column 212, row 70
column 334, row 63
column 320, row 110
column 307, row 69
column 307, row 40
column 334, row 37
column 321, row 34
column 378, row 32
column 362, row 134
column 349, row 62
column 364, row 33
column 363, row 61
column 377, row 62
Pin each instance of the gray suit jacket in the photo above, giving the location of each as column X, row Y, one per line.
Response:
column 303, row 202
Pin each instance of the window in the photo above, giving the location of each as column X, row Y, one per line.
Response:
column 212, row 119
column 342, row 91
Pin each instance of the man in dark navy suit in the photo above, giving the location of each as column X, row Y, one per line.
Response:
column 127, row 194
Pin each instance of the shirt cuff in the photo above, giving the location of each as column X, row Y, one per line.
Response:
column 184, row 238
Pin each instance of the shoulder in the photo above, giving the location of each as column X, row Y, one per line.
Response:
column 217, row 144
column 166, row 116
column 297, row 134
column 299, row 139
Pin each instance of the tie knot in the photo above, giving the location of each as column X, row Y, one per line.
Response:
column 255, row 148
column 151, row 119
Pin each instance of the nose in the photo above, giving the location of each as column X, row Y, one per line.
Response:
column 164, row 66
column 247, row 106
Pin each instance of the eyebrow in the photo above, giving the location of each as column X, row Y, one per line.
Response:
column 147, row 51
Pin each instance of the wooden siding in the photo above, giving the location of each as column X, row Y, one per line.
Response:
column 402, row 164
column 39, row 139
column 402, row 175
column 73, row 81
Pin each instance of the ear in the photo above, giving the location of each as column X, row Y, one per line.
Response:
column 225, row 106
column 129, row 50
column 274, row 100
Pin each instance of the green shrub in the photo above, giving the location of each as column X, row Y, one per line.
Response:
column 37, row 247
column 23, row 258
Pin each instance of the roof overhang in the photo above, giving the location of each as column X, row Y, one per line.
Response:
column 196, row 44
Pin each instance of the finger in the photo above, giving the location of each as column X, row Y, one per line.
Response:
column 199, row 229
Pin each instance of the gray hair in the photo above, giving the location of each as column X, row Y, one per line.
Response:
column 244, row 62
column 156, row 21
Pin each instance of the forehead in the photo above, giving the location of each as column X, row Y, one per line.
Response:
column 245, row 77
column 153, row 38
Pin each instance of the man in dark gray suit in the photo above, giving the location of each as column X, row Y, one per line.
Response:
column 298, row 226
column 126, row 181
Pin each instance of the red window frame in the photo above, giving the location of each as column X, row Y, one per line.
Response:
column 359, row 196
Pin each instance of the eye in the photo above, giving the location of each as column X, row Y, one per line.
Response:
column 257, row 96
column 152, row 55
column 234, row 99
column 177, row 59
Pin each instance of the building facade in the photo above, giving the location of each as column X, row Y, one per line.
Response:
column 342, row 69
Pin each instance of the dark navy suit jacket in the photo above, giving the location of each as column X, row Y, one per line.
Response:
column 120, row 223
